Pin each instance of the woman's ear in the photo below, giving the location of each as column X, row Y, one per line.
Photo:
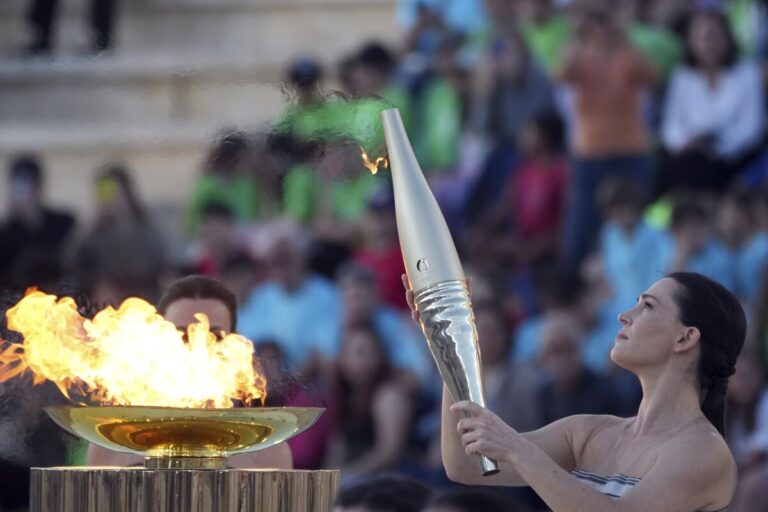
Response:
column 688, row 340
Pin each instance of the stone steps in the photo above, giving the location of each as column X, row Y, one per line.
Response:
column 246, row 31
column 182, row 70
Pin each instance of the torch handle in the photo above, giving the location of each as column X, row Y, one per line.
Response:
column 446, row 317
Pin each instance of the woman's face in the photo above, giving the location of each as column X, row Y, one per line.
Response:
column 360, row 358
column 707, row 40
column 650, row 329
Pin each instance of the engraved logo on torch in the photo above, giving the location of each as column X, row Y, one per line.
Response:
column 422, row 265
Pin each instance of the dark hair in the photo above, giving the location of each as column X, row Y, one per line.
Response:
column 27, row 166
column 621, row 193
column 119, row 174
column 376, row 56
column 719, row 317
column 386, row 494
column 731, row 56
column 550, row 126
column 304, row 72
column 470, row 500
column 199, row 287
column 686, row 208
column 218, row 210
column 227, row 151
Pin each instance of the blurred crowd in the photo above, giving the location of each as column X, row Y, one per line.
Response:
column 579, row 150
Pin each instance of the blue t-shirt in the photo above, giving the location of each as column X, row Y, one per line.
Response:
column 633, row 262
column 749, row 266
column 405, row 344
column 304, row 321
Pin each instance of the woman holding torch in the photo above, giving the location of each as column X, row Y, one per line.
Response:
column 681, row 339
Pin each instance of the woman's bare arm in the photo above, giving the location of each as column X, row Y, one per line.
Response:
column 691, row 472
column 561, row 441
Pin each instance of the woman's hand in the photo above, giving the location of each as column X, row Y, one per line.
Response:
column 409, row 297
column 484, row 433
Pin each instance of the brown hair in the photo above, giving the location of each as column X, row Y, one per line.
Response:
column 199, row 287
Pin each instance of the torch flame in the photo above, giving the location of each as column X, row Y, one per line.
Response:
column 373, row 166
column 129, row 356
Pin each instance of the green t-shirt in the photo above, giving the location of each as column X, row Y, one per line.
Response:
column 348, row 198
column 659, row 46
column 547, row 41
column 240, row 194
column 743, row 16
column 436, row 139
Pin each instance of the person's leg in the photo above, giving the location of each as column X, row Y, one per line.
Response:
column 582, row 219
column 640, row 169
column 42, row 14
column 102, row 23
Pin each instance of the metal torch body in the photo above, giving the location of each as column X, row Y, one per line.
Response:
column 435, row 274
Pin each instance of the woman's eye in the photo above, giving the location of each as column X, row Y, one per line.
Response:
column 647, row 304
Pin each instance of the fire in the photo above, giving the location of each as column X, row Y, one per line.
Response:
column 129, row 356
column 373, row 166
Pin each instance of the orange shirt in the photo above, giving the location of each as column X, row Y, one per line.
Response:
column 608, row 87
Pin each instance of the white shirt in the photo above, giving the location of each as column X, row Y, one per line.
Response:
column 732, row 110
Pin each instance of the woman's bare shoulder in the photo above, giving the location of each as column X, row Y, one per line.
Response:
column 585, row 428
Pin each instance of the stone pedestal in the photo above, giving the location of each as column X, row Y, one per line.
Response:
column 76, row 489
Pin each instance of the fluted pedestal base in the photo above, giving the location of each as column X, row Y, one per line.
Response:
column 78, row 489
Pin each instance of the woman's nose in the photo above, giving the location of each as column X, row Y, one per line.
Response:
column 624, row 318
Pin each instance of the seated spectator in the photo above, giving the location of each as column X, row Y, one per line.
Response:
column 30, row 230
column 463, row 16
column 545, row 30
column 241, row 274
column 179, row 304
column 372, row 409
column 524, row 227
column 380, row 252
column 555, row 294
column 510, row 387
column 226, row 181
column 437, row 111
column 122, row 240
column 508, row 88
column 714, row 114
column 611, row 139
column 748, row 412
column 747, row 432
column 571, row 387
column 309, row 448
column 300, row 311
column 738, row 229
column 218, row 239
column 693, row 246
column 629, row 246
column 403, row 342
column 372, row 74
column 383, row 494
column 465, row 500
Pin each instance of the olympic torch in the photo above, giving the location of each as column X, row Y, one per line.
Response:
column 435, row 274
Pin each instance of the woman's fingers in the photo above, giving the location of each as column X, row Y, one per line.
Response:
column 467, row 424
column 468, row 407
column 409, row 298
